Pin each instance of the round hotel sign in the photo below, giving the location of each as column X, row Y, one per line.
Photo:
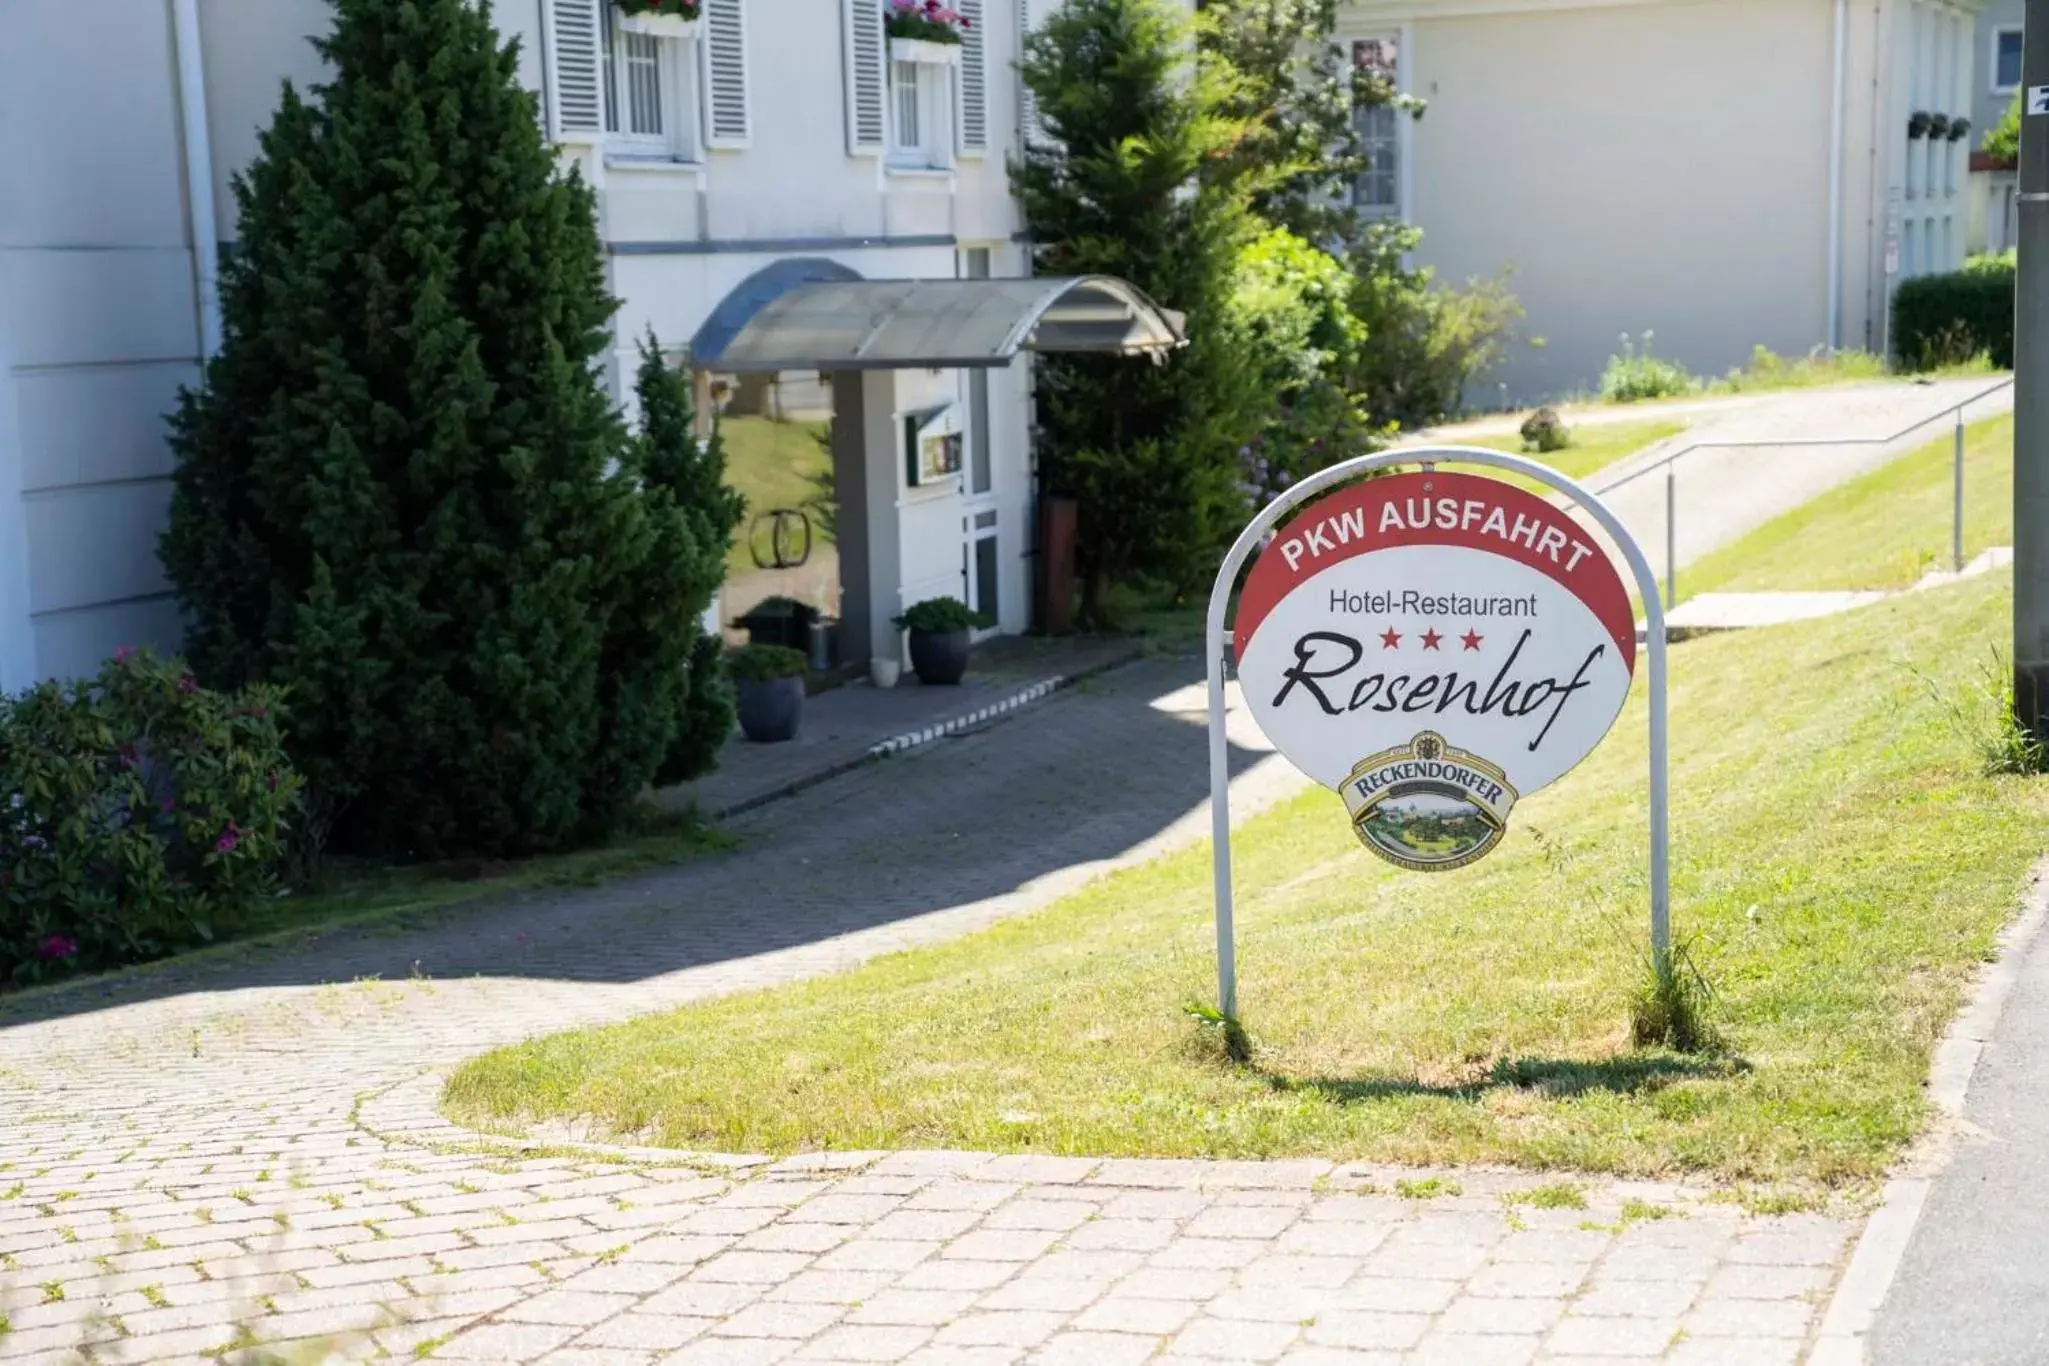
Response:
column 1433, row 647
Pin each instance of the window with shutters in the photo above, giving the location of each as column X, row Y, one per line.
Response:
column 651, row 95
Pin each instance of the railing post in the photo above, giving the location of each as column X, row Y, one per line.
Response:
column 1956, row 532
column 1671, row 537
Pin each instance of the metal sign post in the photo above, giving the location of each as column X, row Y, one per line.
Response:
column 1220, row 597
column 2031, row 388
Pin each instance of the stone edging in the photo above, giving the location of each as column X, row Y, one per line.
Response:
column 897, row 744
column 1876, row 1258
column 911, row 739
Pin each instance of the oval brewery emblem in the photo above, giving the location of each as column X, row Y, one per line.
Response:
column 1434, row 647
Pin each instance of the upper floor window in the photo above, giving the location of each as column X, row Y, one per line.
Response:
column 651, row 94
column 1377, row 192
column 920, row 115
column 2006, row 60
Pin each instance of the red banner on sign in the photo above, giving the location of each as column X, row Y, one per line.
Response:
column 1436, row 508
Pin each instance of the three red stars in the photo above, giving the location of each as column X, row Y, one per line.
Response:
column 1391, row 639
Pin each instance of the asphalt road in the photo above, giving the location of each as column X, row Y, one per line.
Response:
column 1973, row 1289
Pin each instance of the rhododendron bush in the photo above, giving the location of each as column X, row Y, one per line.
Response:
column 139, row 814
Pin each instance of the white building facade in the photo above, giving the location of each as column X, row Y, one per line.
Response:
column 770, row 144
column 1995, row 188
column 1723, row 172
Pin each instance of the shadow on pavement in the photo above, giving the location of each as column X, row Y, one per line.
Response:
column 1081, row 778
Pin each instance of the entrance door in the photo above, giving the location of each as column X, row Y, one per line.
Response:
column 783, row 572
column 979, row 529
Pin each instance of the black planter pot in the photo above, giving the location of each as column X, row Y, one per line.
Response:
column 939, row 657
column 771, row 709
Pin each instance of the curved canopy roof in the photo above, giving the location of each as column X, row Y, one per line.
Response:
column 938, row 324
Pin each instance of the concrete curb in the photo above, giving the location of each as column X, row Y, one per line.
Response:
column 1876, row 1259
column 909, row 740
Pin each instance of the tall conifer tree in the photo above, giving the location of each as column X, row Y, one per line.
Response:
column 401, row 489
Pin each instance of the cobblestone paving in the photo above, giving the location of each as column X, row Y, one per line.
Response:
column 197, row 1161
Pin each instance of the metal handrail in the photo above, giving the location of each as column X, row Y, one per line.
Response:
column 1668, row 463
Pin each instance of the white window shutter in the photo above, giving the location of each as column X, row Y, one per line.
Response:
column 974, row 80
column 728, row 121
column 865, row 52
column 1031, row 17
column 575, row 71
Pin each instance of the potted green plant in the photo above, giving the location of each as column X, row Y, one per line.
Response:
column 1959, row 129
column 940, row 636
column 660, row 18
column 1918, row 124
column 769, row 682
column 1938, row 127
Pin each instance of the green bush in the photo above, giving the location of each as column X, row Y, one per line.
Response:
column 939, row 616
column 766, row 663
column 1951, row 319
column 661, row 648
column 1637, row 374
column 2003, row 140
column 1545, row 432
column 139, row 814
column 1424, row 341
column 1292, row 305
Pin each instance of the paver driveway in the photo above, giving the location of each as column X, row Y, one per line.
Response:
column 199, row 1159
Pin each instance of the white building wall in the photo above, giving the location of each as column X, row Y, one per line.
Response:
column 98, row 328
column 1651, row 165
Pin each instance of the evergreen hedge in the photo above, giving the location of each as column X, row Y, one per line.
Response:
column 1948, row 319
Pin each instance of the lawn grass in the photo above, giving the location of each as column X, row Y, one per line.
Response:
column 773, row 465
column 1884, row 529
column 1595, row 446
column 1841, row 864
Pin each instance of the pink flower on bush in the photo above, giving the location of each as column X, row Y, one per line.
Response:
column 230, row 837
column 188, row 684
column 123, row 653
column 58, row 946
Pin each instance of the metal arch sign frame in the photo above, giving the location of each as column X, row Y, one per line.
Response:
column 1428, row 457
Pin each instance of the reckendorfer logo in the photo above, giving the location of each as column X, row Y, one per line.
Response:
column 1427, row 805
column 1459, row 632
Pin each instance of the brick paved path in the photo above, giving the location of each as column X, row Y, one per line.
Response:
column 197, row 1160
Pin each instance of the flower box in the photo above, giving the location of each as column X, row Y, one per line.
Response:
column 659, row 25
column 924, row 50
